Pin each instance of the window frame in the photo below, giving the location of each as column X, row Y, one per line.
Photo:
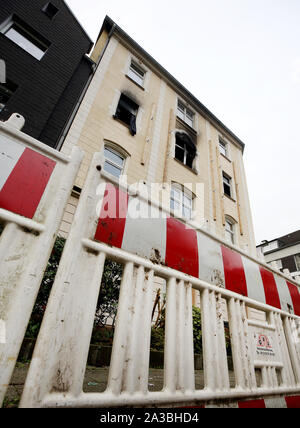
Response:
column 131, row 123
column 185, row 150
column 297, row 263
column 50, row 10
column 223, row 145
column 9, row 89
column 136, row 73
column 116, row 152
column 28, row 35
column 186, row 114
column 230, row 233
column 228, row 184
column 184, row 193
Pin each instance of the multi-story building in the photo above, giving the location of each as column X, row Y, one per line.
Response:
column 44, row 51
column 153, row 130
column 285, row 251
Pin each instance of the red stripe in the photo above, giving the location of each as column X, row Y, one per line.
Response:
column 270, row 287
column 253, row 404
column 182, row 248
column 293, row 402
column 235, row 278
column 26, row 184
column 112, row 221
column 295, row 295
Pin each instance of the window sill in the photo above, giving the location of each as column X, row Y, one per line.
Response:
column 123, row 123
column 185, row 166
column 133, row 81
column 190, row 128
column 229, row 197
column 225, row 157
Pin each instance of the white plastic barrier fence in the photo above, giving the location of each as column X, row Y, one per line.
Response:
column 35, row 184
column 266, row 352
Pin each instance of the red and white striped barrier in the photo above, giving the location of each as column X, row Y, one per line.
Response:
column 35, row 185
column 24, row 175
column 170, row 242
column 265, row 353
column 290, row 402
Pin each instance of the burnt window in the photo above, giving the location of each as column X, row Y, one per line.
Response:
column 6, row 91
column 185, row 149
column 50, row 10
column 127, row 112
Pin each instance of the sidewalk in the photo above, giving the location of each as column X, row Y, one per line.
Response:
column 95, row 380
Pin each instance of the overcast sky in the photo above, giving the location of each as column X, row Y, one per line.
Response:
column 241, row 59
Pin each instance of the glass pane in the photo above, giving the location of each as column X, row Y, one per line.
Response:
column 190, row 160
column 136, row 77
column 187, row 201
column 179, row 154
column 111, row 169
column 175, row 206
column 24, row 43
column 229, row 237
column 187, row 213
column 189, row 121
column 112, row 156
column 176, row 193
column 223, row 149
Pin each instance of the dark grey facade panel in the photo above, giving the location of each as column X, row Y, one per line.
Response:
column 49, row 83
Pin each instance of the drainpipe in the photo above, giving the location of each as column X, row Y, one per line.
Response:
column 83, row 93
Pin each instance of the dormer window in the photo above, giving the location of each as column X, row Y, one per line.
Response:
column 185, row 114
column 127, row 112
column 185, row 149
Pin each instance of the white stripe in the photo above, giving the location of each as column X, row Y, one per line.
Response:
column 275, row 403
column 145, row 236
column 284, row 294
column 10, row 153
column 255, row 286
column 211, row 267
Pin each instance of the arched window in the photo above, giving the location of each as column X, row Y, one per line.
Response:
column 114, row 160
column 185, row 149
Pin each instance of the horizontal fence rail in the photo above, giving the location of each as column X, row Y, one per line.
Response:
column 35, row 184
column 265, row 352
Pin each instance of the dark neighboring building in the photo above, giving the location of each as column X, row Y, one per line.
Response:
column 285, row 251
column 47, row 68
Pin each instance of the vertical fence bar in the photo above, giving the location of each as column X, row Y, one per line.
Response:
column 170, row 338
column 288, row 378
column 292, row 349
column 115, row 377
column 224, row 378
column 189, row 340
column 208, row 342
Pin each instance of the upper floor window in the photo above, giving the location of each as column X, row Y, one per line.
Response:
column 136, row 73
column 6, row 91
column 297, row 262
column 230, row 231
column 50, row 10
column 25, row 37
column 223, row 148
column 127, row 112
column 185, row 149
column 181, row 201
column 185, row 114
column 227, row 185
column 114, row 162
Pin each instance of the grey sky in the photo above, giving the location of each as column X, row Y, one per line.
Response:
column 240, row 58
